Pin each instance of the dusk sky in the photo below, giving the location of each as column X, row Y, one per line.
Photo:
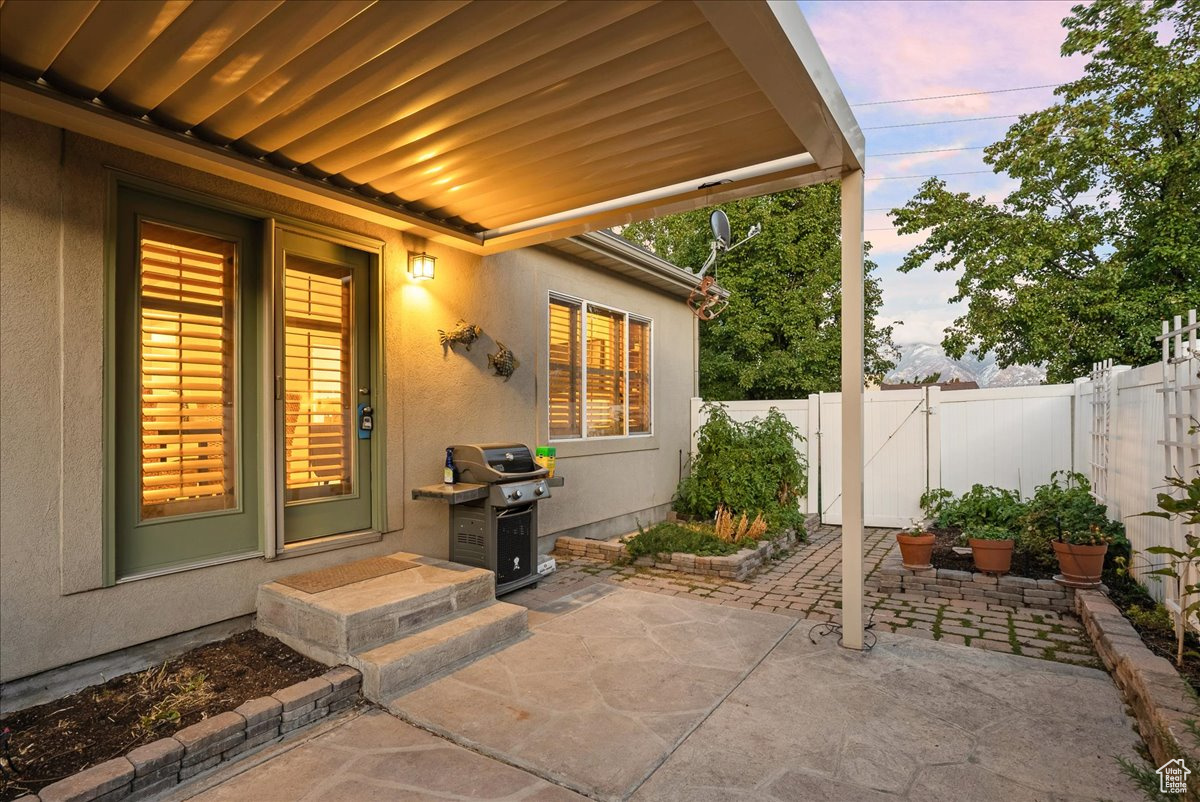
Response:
column 883, row 51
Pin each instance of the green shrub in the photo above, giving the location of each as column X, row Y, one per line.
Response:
column 1061, row 509
column 748, row 467
column 932, row 502
column 988, row 532
column 1154, row 618
column 1064, row 509
column 978, row 507
column 667, row 537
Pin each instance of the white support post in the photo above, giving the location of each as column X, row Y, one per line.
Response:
column 852, row 409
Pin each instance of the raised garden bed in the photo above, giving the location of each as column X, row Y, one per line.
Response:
column 1154, row 624
column 944, row 556
column 178, row 702
column 969, row 585
column 1162, row 702
column 739, row 565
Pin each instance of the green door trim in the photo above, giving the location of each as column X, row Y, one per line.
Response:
column 306, row 520
column 270, row 528
column 374, row 251
column 152, row 547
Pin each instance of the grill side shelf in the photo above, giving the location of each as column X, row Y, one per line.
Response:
column 462, row 492
column 458, row 493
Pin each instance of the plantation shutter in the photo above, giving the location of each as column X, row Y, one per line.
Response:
column 605, row 373
column 317, row 368
column 566, row 410
column 186, row 371
column 639, row 376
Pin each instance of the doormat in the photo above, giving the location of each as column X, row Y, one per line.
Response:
column 338, row 575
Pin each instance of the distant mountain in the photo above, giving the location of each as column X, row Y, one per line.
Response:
column 919, row 360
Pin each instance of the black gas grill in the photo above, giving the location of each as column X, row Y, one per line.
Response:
column 499, row 530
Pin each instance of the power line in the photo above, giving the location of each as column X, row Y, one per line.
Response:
column 941, row 122
column 930, row 175
column 915, row 152
column 959, row 94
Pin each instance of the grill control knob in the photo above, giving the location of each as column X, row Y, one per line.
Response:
column 540, row 490
column 516, row 494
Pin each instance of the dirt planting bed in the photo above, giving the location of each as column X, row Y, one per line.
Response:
column 1162, row 643
column 59, row 738
column 944, row 556
column 1155, row 627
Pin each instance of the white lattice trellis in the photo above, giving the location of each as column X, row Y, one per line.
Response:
column 1101, row 430
column 1181, row 416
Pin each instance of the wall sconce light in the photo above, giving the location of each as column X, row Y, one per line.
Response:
column 420, row 266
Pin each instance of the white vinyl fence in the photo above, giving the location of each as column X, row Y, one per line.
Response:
column 1014, row 438
column 1133, row 470
column 1149, row 412
column 918, row 439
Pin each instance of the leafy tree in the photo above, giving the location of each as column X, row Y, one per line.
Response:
column 1101, row 239
column 780, row 336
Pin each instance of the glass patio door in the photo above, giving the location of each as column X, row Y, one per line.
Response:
column 323, row 393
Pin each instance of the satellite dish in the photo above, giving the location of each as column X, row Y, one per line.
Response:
column 720, row 228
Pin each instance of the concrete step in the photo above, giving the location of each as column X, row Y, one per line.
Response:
column 331, row 625
column 393, row 668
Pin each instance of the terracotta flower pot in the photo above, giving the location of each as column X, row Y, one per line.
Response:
column 992, row 556
column 1081, row 566
column 915, row 550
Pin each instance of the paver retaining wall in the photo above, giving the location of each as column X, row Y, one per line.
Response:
column 150, row 769
column 1008, row 591
column 1161, row 700
column 739, row 566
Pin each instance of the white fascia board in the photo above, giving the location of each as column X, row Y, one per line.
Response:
column 616, row 247
column 777, row 49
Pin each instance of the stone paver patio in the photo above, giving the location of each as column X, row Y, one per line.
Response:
column 373, row 756
column 622, row 694
column 913, row 720
column 601, row 691
column 648, row 685
column 807, row 584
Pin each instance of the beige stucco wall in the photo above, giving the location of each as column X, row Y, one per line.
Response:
column 53, row 200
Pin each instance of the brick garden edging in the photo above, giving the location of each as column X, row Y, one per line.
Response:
column 944, row 583
column 154, row 767
column 1161, row 700
column 739, row 566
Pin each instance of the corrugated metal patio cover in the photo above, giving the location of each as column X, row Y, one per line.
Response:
column 477, row 118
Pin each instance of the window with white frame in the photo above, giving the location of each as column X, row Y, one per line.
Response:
column 599, row 371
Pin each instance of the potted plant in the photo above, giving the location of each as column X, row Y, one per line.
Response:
column 992, row 548
column 916, row 547
column 1080, row 556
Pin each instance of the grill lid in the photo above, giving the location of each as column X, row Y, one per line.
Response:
column 495, row 462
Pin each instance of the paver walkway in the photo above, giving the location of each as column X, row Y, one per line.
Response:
column 807, row 585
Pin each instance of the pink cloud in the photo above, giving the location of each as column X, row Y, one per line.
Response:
column 890, row 50
column 888, row 241
column 904, row 165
